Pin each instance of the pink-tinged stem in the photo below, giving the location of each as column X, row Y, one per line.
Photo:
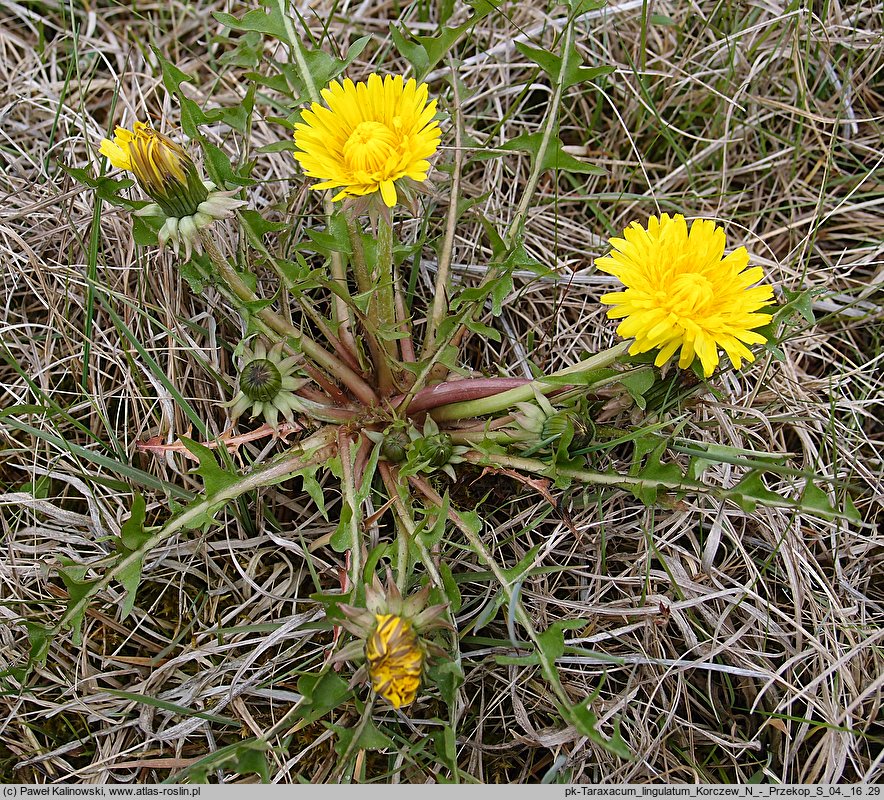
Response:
column 361, row 460
column 349, row 496
column 441, row 394
column 333, row 391
column 316, row 395
column 313, row 350
column 545, row 385
column 406, row 345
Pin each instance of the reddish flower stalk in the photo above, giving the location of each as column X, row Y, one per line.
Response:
column 442, row 394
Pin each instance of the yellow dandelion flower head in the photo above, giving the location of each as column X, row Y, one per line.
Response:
column 683, row 292
column 395, row 659
column 162, row 168
column 370, row 135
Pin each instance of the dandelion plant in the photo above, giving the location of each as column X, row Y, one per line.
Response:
column 335, row 349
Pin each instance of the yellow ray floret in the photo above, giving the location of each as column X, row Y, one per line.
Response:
column 395, row 659
column 682, row 292
column 368, row 136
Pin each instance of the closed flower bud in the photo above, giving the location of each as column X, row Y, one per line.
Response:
column 395, row 446
column 267, row 385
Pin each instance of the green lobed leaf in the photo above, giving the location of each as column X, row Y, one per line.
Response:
column 449, row 584
column 132, row 534
column 374, row 558
column 256, row 227
column 473, row 521
column 368, row 738
column 447, row 677
column 551, row 64
column 653, row 470
column 312, row 487
column 145, row 230
column 562, row 457
column 500, row 289
column 437, row 47
column 269, row 22
column 552, row 641
column 815, row 500
column 341, row 539
column 251, row 760
column 297, row 273
column 664, row 474
column 73, row 575
column 554, row 157
column 637, row 383
column 246, row 51
column 800, row 301
column 445, row 745
column 243, row 758
column 414, row 53
column 850, row 511
column 215, row 478
column 582, row 718
column 324, row 67
column 498, row 245
column 520, row 570
column 751, row 490
column 530, row 660
column 40, row 639
column 239, row 116
column 220, row 169
column 519, row 258
column 334, row 239
column 322, row 693
column 132, row 538
column 282, row 146
column 483, row 330
column 192, row 117
column 191, row 273
column 427, row 51
column 431, row 529
column 39, row 488
column 497, row 289
column 172, row 76
column 106, row 188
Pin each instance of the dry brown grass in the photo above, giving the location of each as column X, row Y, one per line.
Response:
column 750, row 645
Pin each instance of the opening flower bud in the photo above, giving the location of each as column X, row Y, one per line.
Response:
column 162, row 168
column 395, row 659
